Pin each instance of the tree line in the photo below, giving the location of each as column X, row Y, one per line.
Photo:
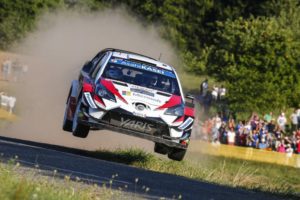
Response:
column 251, row 46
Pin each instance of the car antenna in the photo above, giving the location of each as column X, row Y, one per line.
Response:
column 160, row 55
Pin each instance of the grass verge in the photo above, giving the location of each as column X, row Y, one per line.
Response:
column 277, row 179
column 17, row 183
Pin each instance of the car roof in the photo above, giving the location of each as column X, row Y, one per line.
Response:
column 138, row 57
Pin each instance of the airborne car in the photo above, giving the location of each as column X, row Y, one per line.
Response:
column 132, row 94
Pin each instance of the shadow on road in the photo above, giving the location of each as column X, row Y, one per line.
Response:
column 126, row 157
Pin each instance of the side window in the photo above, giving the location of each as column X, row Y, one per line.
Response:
column 95, row 60
column 99, row 66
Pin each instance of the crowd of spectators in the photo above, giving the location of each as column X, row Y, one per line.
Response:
column 13, row 70
column 266, row 132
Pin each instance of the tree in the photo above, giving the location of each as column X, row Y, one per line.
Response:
column 258, row 59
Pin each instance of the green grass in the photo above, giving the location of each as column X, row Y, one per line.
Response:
column 19, row 184
column 272, row 178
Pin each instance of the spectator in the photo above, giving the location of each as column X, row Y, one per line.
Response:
column 281, row 147
column 204, row 88
column 215, row 93
column 255, row 139
column 298, row 115
column 4, row 100
column 11, row 103
column 231, row 136
column 223, row 134
column 281, row 121
column 243, row 137
column 289, row 150
column 254, row 122
column 298, row 145
column 231, row 123
column 6, row 69
column 294, row 120
column 222, row 92
column 218, row 122
column 262, row 139
column 268, row 117
column 17, row 70
column 271, row 126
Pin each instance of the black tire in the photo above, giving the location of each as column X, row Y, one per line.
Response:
column 177, row 154
column 79, row 130
column 67, row 124
column 161, row 148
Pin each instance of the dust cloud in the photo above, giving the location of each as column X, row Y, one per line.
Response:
column 55, row 53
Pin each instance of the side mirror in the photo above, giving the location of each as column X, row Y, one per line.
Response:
column 189, row 100
column 87, row 67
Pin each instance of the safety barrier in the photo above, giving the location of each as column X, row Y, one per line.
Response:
column 246, row 153
column 4, row 115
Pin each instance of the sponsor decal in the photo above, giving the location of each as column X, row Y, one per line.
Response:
column 136, row 125
column 126, row 93
column 143, row 67
column 146, row 97
column 142, row 91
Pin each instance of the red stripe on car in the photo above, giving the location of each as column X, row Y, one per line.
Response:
column 188, row 111
column 173, row 101
column 179, row 119
column 110, row 86
column 99, row 100
column 87, row 87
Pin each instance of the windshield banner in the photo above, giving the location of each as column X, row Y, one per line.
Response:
column 142, row 66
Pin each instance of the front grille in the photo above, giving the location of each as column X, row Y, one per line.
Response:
column 126, row 120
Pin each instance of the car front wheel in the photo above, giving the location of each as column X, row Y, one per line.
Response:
column 78, row 129
column 161, row 148
column 67, row 124
column 177, row 154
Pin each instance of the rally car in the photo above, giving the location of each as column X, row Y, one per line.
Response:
column 133, row 94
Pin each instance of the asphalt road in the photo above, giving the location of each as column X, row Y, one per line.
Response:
column 77, row 163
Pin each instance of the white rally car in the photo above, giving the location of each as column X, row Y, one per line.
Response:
column 132, row 94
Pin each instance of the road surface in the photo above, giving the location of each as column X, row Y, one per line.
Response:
column 77, row 163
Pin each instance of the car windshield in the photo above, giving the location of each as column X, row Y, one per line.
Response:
column 142, row 75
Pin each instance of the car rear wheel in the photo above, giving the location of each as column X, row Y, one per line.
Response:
column 78, row 129
column 177, row 154
column 67, row 124
column 161, row 148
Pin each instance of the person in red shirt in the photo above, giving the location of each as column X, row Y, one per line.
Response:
column 298, row 133
column 298, row 145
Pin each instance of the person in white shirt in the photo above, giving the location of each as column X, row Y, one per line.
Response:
column 294, row 120
column 11, row 103
column 281, row 121
column 214, row 93
column 298, row 114
column 231, row 136
column 6, row 69
column 289, row 151
column 222, row 92
column 218, row 122
column 4, row 100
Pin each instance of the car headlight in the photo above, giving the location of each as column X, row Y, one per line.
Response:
column 102, row 92
column 176, row 111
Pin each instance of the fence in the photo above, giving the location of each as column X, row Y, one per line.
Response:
column 245, row 153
